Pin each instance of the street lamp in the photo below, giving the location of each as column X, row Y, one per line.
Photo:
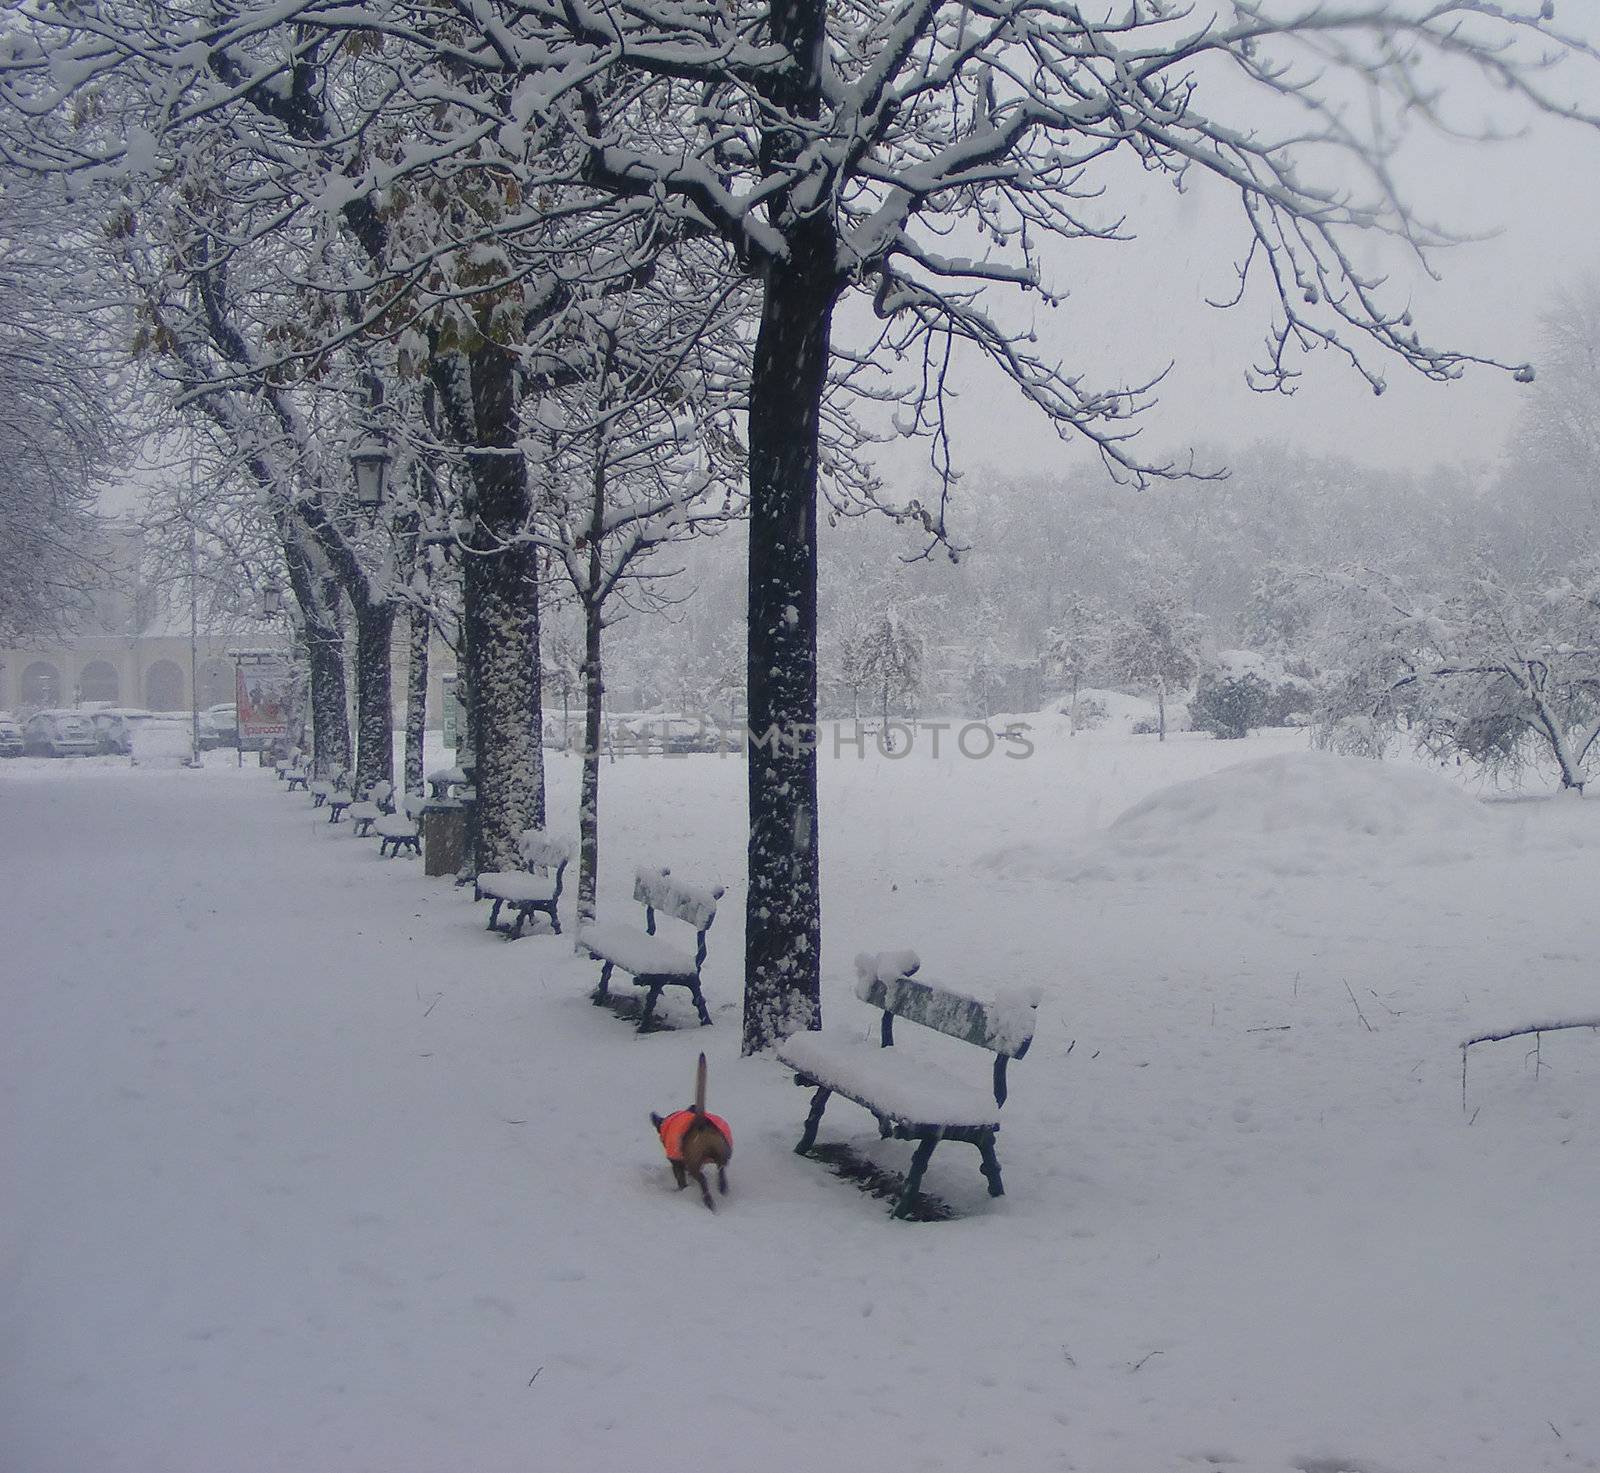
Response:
column 271, row 599
column 370, row 462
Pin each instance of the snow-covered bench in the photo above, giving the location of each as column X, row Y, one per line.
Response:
column 367, row 810
column 912, row 1099
column 296, row 775
column 522, row 889
column 655, row 962
column 325, row 787
column 399, row 830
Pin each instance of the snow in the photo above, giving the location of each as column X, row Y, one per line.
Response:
column 1301, row 813
column 894, row 1079
column 885, row 966
column 515, row 885
column 305, row 1170
column 635, row 951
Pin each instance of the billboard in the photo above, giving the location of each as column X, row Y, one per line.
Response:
column 264, row 695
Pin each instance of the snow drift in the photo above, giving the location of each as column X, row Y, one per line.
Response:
column 1295, row 813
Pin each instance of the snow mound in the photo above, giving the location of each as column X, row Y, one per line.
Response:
column 1301, row 813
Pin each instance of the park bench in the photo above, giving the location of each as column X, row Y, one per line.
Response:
column 296, row 775
column 325, row 787
column 522, row 889
column 912, row 1099
column 654, row 962
column 365, row 811
column 399, row 830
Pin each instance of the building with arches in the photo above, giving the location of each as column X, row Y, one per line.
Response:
column 126, row 652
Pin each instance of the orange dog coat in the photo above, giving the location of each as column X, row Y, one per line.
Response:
column 676, row 1126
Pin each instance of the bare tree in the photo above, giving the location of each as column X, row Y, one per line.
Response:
column 1156, row 643
column 917, row 153
column 1470, row 665
column 59, row 436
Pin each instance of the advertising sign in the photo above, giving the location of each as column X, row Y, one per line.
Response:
column 265, row 691
column 456, row 735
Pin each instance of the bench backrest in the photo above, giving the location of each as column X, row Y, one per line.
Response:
column 379, row 792
column 1004, row 1025
column 657, row 889
column 544, row 851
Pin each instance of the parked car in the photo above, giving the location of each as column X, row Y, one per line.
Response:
column 114, row 726
column 11, row 743
column 59, row 734
column 219, row 726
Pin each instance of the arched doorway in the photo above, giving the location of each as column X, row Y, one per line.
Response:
column 41, row 685
column 163, row 686
column 100, row 682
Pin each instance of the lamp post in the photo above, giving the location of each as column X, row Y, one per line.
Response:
column 194, row 644
column 271, row 600
column 369, row 460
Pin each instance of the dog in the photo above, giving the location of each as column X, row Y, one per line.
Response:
column 694, row 1140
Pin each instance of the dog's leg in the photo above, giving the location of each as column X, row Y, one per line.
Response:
column 722, row 1179
column 705, row 1191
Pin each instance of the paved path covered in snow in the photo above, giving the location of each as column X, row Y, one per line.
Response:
column 305, row 1171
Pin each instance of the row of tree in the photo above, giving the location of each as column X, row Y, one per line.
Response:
column 578, row 271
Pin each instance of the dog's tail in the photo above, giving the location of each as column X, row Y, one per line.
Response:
column 700, row 1089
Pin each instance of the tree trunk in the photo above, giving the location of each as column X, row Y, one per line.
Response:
column 330, row 715
column 589, row 794
column 374, row 698
column 1161, row 711
column 500, row 603
column 501, row 625
column 416, row 700
column 783, row 912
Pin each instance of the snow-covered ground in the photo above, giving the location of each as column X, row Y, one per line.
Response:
column 305, row 1171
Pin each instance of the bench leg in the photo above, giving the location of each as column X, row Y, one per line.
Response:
column 919, row 1164
column 991, row 1166
column 555, row 920
column 700, row 1006
column 494, row 915
column 651, row 998
column 819, row 1103
column 602, row 993
column 516, row 925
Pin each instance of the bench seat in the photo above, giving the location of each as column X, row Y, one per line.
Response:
column 364, row 814
column 516, row 886
column 917, row 1094
column 397, row 831
column 635, row 951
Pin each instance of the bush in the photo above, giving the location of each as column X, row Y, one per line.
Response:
column 1229, row 705
column 1091, row 714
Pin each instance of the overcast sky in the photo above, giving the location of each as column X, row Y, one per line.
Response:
column 1135, row 307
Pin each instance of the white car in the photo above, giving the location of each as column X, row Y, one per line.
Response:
column 11, row 743
column 222, row 720
column 60, row 734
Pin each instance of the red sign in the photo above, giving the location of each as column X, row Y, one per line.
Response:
column 265, row 685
